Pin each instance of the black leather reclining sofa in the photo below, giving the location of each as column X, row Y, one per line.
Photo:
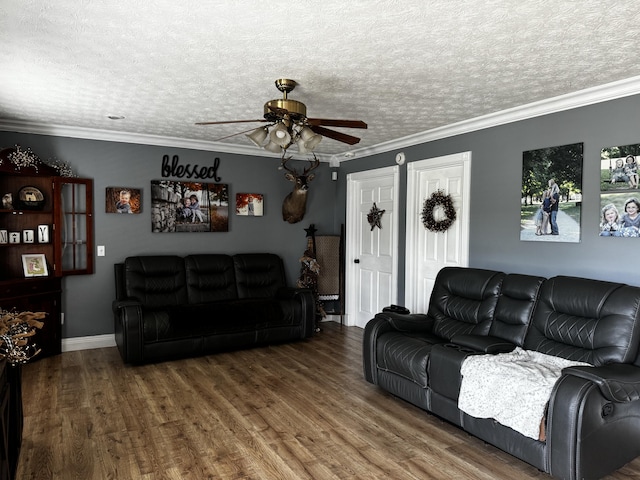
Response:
column 169, row 306
column 592, row 422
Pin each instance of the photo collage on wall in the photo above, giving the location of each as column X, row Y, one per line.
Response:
column 189, row 207
column 551, row 195
column 619, row 193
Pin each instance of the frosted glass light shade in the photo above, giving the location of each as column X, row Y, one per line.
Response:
column 258, row 136
column 273, row 147
column 301, row 146
column 311, row 139
column 280, row 135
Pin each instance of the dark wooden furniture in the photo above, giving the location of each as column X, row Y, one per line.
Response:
column 60, row 227
column 10, row 419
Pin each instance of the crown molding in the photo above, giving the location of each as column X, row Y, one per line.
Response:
column 142, row 139
column 610, row 91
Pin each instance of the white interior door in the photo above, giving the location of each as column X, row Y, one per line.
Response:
column 427, row 252
column 371, row 253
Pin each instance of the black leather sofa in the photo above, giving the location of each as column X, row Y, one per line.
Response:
column 169, row 306
column 592, row 420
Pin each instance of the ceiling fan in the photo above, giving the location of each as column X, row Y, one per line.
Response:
column 289, row 125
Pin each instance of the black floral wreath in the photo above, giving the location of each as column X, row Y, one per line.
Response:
column 438, row 199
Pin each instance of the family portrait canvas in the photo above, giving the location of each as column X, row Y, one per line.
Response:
column 189, row 206
column 123, row 200
column 619, row 198
column 249, row 204
column 551, row 195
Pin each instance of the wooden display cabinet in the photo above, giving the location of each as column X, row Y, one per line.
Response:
column 59, row 225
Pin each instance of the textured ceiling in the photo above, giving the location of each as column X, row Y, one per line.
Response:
column 403, row 67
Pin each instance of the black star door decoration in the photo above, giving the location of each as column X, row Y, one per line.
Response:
column 375, row 216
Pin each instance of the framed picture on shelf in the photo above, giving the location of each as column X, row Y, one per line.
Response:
column 34, row 265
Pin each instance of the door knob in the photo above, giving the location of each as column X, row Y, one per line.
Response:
column 357, row 260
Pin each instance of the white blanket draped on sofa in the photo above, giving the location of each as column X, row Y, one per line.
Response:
column 512, row 388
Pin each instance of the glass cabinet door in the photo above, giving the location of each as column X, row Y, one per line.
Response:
column 74, row 226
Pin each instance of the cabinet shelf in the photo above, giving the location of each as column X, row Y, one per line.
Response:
column 67, row 243
column 25, row 212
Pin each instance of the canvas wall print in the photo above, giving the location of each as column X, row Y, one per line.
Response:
column 551, row 195
column 189, row 207
column 249, row 204
column 123, row 200
column 619, row 195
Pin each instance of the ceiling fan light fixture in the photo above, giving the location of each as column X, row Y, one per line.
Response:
column 273, row 147
column 288, row 124
column 280, row 135
column 311, row 139
column 258, row 136
column 301, row 146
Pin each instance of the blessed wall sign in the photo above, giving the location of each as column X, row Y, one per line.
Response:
column 173, row 168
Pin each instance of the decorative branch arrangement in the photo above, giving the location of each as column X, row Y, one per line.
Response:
column 15, row 330
column 309, row 271
column 21, row 158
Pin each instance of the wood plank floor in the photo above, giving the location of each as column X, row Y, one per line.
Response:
column 295, row 411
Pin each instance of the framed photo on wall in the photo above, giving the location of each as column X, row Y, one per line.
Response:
column 189, row 206
column 551, row 194
column 249, row 204
column 123, row 200
column 619, row 192
column 34, row 265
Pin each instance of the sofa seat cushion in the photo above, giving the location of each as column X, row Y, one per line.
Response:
column 216, row 318
column 406, row 354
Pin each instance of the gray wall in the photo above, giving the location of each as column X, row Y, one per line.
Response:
column 87, row 298
column 496, row 172
column 495, row 203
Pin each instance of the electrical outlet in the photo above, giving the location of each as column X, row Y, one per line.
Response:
column 101, row 251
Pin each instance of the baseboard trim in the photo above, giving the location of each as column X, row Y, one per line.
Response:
column 109, row 339
column 88, row 343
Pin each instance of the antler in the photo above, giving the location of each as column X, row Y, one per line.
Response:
column 314, row 164
column 283, row 164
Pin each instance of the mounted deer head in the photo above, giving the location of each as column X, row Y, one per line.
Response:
column 295, row 204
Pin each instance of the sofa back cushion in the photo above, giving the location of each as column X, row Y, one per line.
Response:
column 586, row 320
column 515, row 307
column 463, row 301
column 258, row 275
column 210, row 277
column 156, row 281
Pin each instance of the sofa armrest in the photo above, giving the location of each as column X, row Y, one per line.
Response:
column 128, row 327
column 484, row 343
column 285, row 293
column 388, row 322
column 618, row 383
column 413, row 322
column 307, row 304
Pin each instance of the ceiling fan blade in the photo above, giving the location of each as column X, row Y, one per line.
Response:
column 233, row 135
column 339, row 136
column 230, row 121
column 327, row 122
